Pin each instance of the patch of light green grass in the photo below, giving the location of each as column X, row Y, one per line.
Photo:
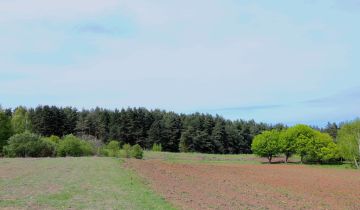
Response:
column 202, row 158
column 76, row 183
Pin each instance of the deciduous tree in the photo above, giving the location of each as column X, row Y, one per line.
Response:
column 20, row 120
column 267, row 144
column 349, row 141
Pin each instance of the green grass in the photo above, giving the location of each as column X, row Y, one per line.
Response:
column 76, row 183
column 202, row 158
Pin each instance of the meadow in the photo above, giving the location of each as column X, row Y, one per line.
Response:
column 164, row 180
column 73, row 183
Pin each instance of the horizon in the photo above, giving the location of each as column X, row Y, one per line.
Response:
column 180, row 113
column 265, row 61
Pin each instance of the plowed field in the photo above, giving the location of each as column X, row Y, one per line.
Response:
column 249, row 186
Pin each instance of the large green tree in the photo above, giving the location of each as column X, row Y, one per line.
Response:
column 349, row 141
column 300, row 135
column 267, row 144
column 321, row 148
column 287, row 143
column 310, row 144
column 293, row 140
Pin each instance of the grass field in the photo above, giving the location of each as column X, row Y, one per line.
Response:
column 73, row 183
column 230, row 158
column 169, row 180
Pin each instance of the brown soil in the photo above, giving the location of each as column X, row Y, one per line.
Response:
column 231, row 186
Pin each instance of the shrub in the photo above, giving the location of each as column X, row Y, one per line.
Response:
column 73, row 146
column 29, row 145
column 113, row 145
column 49, row 148
column 102, row 151
column 157, row 147
column 137, row 152
column 52, row 141
column 126, row 151
column 53, row 138
column 96, row 143
column 110, row 150
column 129, row 151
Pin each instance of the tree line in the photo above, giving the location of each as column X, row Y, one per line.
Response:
column 174, row 132
column 311, row 145
column 169, row 131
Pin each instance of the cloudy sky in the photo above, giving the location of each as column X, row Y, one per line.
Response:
column 272, row 61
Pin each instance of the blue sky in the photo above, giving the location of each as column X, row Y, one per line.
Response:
column 272, row 61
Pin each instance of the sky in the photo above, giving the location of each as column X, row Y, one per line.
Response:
column 272, row 61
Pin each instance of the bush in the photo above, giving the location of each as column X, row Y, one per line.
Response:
column 137, row 152
column 126, row 151
column 53, row 138
column 96, row 143
column 103, row 152
column 29, row 145
column 131, row 151
column 156, row 148
column 73, row 146
column 49, row 148
column 52, row 141
column 110, row 150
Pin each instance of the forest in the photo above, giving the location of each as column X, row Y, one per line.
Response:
column 175, row 132
column 51, row 131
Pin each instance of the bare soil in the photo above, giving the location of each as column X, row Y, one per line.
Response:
column 239, row 186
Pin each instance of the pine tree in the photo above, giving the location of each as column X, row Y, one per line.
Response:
column 5, row 129
column 219, row 137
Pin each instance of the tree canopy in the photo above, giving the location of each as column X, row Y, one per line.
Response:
column 267, row 144
column 349, row 141
column 175, row 132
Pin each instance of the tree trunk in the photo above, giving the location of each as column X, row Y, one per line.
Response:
column 356, row 163
column 269, row 158
column 302, row 157
column 286, row 158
